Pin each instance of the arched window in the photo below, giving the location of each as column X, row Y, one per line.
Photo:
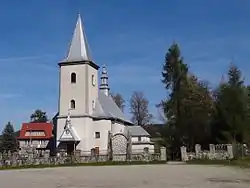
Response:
column 93, row 105
column 73, row 77
column 146, row 150
column 72, row 104
column 93, row 80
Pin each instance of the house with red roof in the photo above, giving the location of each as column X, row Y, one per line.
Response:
column 35, row 135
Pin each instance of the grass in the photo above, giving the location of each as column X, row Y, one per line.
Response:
column 243, row 163
column 108, row 163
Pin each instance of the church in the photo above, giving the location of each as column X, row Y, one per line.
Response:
column 87, row 115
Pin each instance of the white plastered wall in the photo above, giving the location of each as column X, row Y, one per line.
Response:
column 139, row 148
column 102, row 126
column 117, row 128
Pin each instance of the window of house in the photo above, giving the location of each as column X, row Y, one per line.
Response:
column 97, row 135
column 34, row 133
column 93, row 104
column 73, row 77
column 139, row 139
column 72, row 104
column 93, row 80
column 92, row 152
column 146, row 150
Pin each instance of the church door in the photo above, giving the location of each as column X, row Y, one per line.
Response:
column 70, row 148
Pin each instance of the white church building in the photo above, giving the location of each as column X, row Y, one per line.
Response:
column 87, row 114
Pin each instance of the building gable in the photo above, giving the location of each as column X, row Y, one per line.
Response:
column 67, row 135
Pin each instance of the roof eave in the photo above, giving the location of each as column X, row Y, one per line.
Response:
column 69, row 140
column 146, row 135
column 142, row 143
column 112, row 119
column 89, row 62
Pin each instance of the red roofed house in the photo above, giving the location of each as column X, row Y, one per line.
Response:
column 36, row 135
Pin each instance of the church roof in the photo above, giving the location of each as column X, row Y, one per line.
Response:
column 136, row 130
column 79, row 48
column 105, row 107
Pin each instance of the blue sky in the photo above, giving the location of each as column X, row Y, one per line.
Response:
column 131, row 37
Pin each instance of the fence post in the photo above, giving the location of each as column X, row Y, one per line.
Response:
column 163, row 154
column 184, row 153
column 211, row 151
column 197, row 151
column 230, row 151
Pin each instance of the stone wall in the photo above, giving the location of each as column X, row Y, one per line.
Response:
column 215, row 152
column 33, row 157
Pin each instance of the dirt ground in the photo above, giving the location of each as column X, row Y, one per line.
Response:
column 142, row 176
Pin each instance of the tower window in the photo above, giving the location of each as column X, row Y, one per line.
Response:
column 73, row 77
column 93, row 80
column 97, row 135
column 72, row 104
column 93, row 105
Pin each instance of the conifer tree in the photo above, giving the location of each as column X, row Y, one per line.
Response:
column 8, row 139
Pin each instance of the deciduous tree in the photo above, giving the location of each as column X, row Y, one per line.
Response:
column 38, row 117
column 120, row 102
column 139, row 109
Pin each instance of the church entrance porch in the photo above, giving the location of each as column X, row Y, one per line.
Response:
column 68, row 146
column 69, row 137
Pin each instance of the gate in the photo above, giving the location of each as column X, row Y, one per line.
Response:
column 119, row 146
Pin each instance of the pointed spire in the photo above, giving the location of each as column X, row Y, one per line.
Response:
column 104, row 81
column 78, row 49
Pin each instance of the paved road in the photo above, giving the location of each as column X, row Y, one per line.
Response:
column 148, row 176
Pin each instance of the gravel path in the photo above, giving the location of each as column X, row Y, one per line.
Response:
column 142, row 176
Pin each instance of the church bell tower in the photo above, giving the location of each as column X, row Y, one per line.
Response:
column 78, row 87
column 78, row 76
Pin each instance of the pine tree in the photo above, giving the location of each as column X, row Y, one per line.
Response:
column 189, row 106
column 247, row 132
column 8, row 139
column 174, row 78
column 232, row 107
